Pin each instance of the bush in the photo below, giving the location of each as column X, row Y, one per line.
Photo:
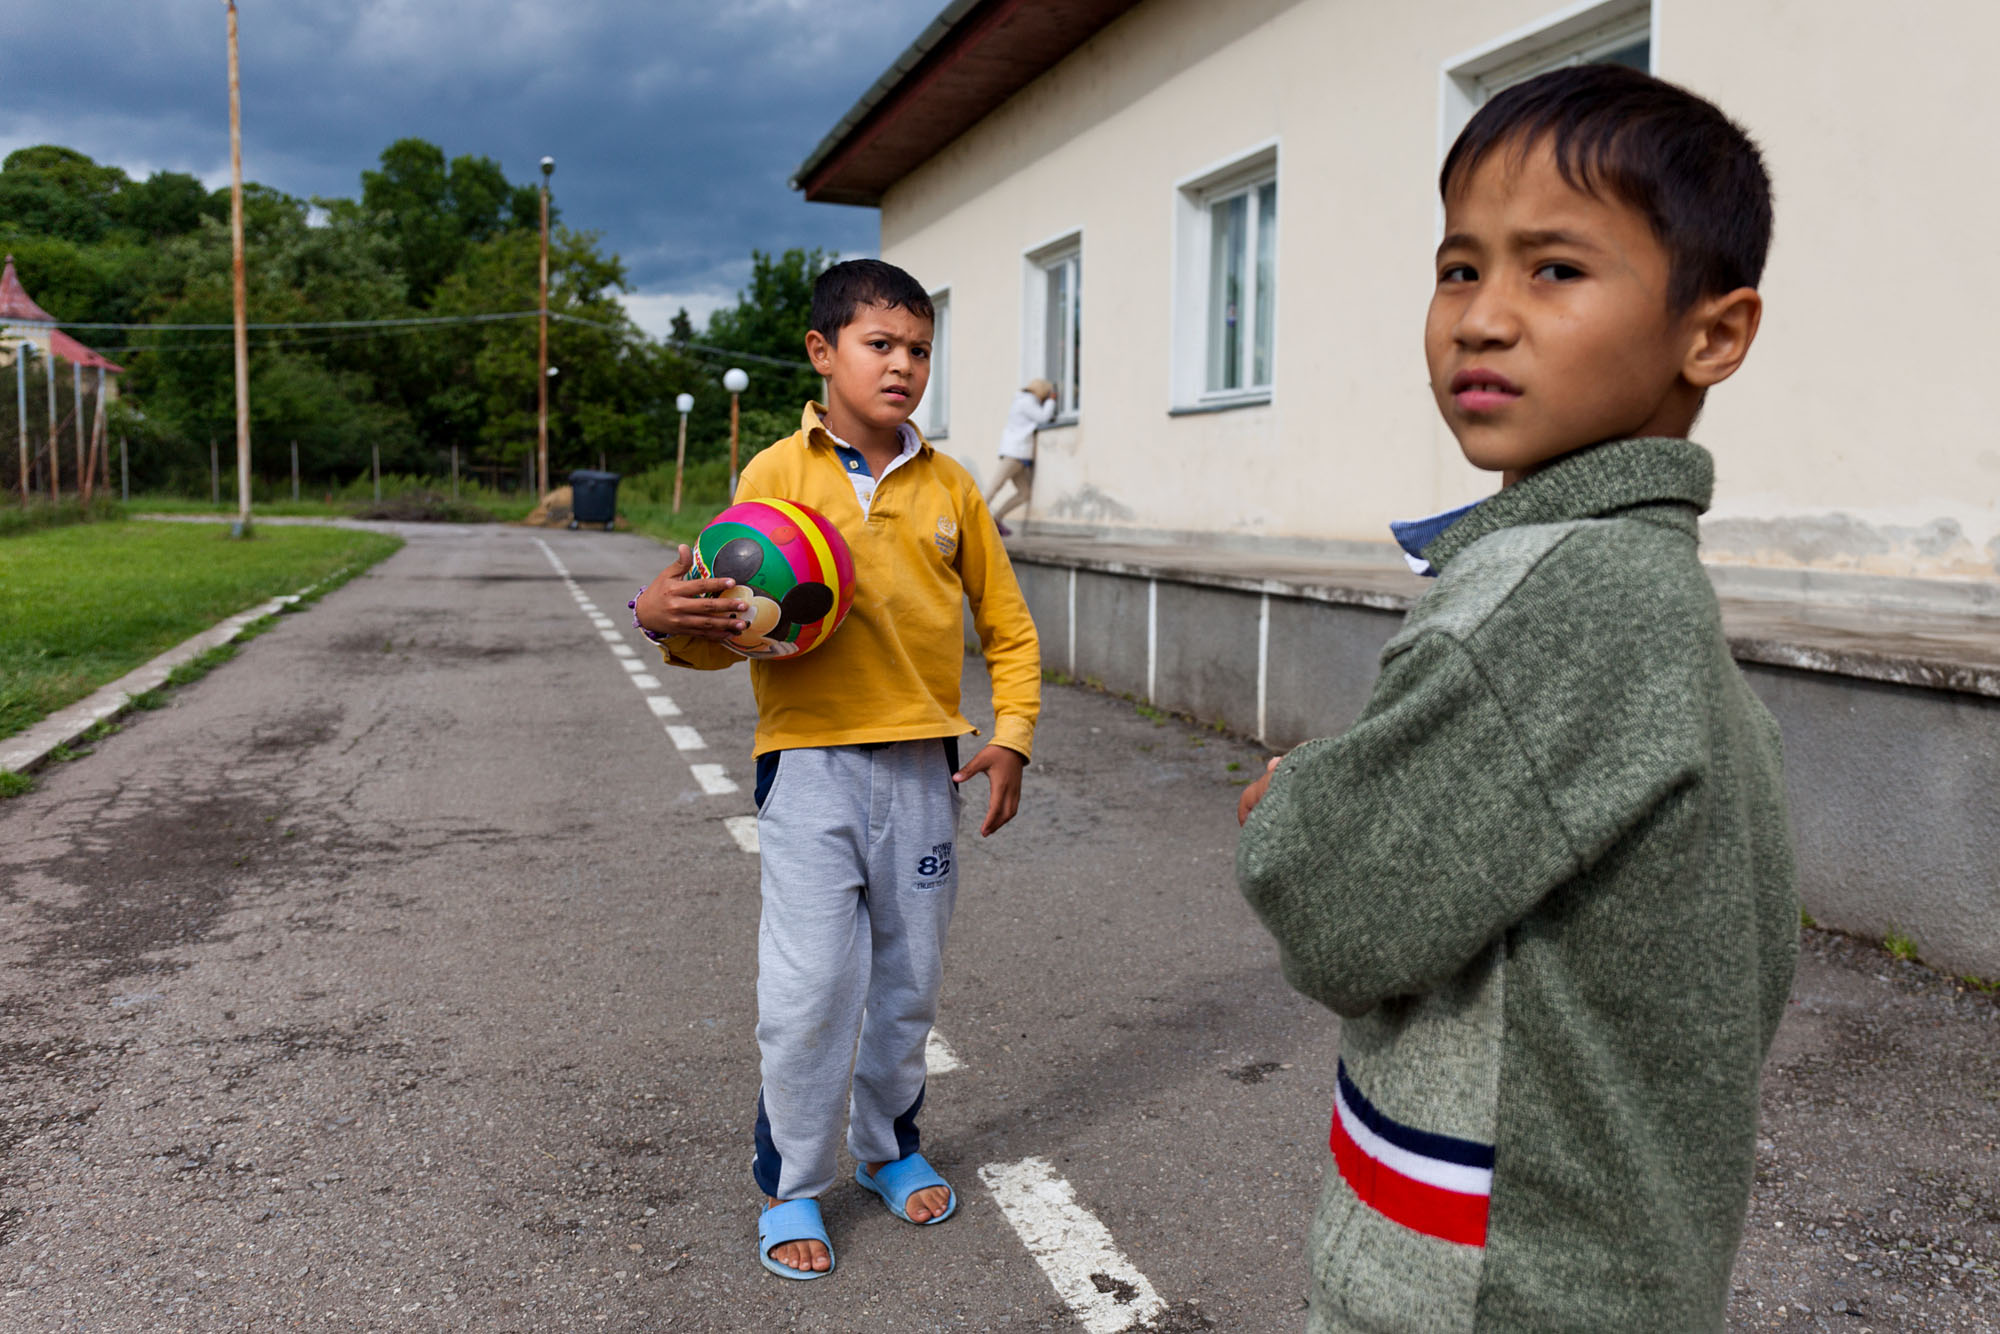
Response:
column 39, row 514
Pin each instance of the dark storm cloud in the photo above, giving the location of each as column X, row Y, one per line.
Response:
column 674, row 125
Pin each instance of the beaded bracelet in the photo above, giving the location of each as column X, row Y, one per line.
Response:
column 634, row 605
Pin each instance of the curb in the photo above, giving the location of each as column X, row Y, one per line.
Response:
column 29, row 750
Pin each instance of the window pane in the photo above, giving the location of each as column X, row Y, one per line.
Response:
column 1228, row 220
column 1054, row 322
column 1267, row 258
column 1639, row 55
column 1073, row 390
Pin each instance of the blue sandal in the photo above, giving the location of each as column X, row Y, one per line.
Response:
column 898, row 1181
column 794, row 1220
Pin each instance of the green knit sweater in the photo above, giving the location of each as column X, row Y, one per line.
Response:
column 1547, row 879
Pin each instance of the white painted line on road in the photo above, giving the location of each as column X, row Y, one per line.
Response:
column 1263, row 661
column 713, row 780
column 663, row 706
column 612, row 636
column 603, row 622
column 743, row 828
column 631, row 665
column 622, row 650
column 939, row 1058
column 1074, row 1250
column 685, row 738
column 645, row 682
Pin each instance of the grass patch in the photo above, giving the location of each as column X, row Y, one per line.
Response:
column 1806, row 920
column 15, row 785
column 408, row 497
column 1900, row 946
column 82, row 605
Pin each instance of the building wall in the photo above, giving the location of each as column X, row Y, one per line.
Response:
column 1852, row 439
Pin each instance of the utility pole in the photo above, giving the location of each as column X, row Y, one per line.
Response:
column 124, row 470
column 295, row 472
column 542, row 357
column 241, row 528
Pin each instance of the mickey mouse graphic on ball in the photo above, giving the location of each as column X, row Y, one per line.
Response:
column 789, row 563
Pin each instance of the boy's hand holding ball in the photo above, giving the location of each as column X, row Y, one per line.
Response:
column 674, row 605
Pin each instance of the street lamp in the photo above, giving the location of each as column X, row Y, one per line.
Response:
column 735, row 381
column 542, row 357
column 685, row 404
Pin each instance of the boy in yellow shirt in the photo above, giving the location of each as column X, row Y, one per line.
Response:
column 857, row 762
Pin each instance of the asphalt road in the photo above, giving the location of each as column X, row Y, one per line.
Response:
column 400, row 976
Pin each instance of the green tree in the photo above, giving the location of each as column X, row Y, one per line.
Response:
column 433, row 211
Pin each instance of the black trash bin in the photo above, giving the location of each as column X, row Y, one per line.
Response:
column 593, row 498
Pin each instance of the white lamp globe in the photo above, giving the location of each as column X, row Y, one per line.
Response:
column 735, row 381
column 684, row 403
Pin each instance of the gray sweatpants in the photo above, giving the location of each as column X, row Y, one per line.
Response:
column 859, row 878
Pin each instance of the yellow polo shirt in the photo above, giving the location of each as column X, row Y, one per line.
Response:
column 925, row 546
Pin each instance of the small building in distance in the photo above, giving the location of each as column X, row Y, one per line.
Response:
column 1211, row 225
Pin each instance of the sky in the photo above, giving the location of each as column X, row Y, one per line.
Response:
column 674, row 125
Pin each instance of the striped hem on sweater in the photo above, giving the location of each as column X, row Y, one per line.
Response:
column 1435, row 1184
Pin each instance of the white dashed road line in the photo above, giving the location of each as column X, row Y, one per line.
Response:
column 1075, row 1251
column 743, row 828
column 939, row 1058
column 713, row 779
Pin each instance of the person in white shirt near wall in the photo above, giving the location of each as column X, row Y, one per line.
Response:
column 1033, row 408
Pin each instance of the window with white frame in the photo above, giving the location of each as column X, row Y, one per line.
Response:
column 1615, row 32
column 933, row 415
column 1054, row 321
column 1226, row 307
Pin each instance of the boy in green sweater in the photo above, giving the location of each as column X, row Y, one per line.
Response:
column 1546, row 877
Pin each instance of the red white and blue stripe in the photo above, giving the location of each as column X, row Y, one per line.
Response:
column 1435, row 1184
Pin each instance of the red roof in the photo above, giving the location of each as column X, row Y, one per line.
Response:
column 17, row 305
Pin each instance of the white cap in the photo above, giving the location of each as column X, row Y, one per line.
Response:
column 735, row 381
column 684, row 402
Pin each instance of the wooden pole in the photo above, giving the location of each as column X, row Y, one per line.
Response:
column 55, row 455
column 375, row 465
column 21, row 409
column 124, row 470
column 96, row 439
column 242, row 527
column 214, row 474
column 734, row 418
column 101, row 435
column 542, row 352
column 76, row 403
column 680, row 462
column 454, row 472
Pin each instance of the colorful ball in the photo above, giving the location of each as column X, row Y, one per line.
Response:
column 790, row 564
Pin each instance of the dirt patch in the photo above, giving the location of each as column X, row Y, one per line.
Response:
column 159, row 873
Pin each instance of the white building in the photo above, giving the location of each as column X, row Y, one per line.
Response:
column 1212, row 224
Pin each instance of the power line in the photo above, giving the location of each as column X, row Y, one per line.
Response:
column 407, row 322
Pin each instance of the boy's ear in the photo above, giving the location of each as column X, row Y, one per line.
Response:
column 819, row 351
column 1722, row 329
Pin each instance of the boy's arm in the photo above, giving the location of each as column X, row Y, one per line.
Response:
column 1385, row 859
column 1006, row 630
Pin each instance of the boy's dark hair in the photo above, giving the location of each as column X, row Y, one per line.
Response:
column 1690, row 170
column 845, row 287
